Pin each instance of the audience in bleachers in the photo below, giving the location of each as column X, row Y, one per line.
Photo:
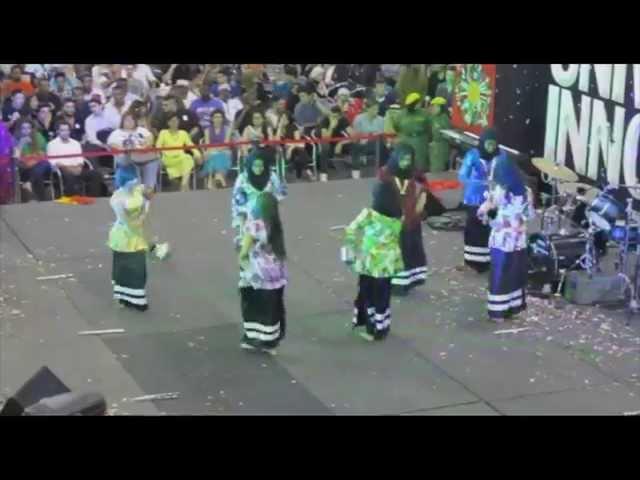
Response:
column 83, row 109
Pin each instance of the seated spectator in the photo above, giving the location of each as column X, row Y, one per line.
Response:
column 81, row 105
column 294, row 97
column 181, row 71
column 224, row 79
column 45, row 95
column 14, row 109
column 33, row 167
column 335, row 125
column 141, row 114
column 73, row 170
column 118, row 104
column 178, row 163
column 307, row 113
column 7, row 176
column 131, row 136
column 217, row 160
column 61, row 85
column 98, row 126
column 276, row 111
column 134, row 86
column 123, row 83
column 204, row 106
column 44, row 122
column 88, row 90
column 99, row 72
column 390, row 70
column 100, row 123
column 385, row 95
column 369, row 123
column 182, row 91
column 294, row 152
column 365, row 74
column 68, row 115
column 251, row 105
column 351, row 107
column 17, row 81
column 232, row 105
column 36, row 70
column 169, row 107
column 144, row 74
column 282, row 85
column 257, row 132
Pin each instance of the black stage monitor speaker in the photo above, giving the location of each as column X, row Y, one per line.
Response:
column 42, row 385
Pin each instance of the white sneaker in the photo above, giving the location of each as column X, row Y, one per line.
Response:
column 27, row 186
column 247, row 346
column 270, row 351
column 324, row 177
column 162, row 250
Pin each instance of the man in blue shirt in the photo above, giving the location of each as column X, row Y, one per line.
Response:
column 204, row 106
column 369, row 122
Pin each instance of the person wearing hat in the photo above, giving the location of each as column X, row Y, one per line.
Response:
column 474, row 175
column 412, row 128
column 372, row 250
column 439, row 146
column 507, row 209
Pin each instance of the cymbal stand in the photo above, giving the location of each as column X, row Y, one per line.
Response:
column 588, row 261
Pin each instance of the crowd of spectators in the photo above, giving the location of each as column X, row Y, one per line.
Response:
column 85, row 112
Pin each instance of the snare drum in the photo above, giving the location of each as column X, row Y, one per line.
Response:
column 605, row 211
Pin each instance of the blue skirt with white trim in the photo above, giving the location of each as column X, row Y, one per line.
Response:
column 507, row 283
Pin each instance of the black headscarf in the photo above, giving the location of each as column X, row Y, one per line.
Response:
column 488, row 134
column 259, row 182
column 386, row 200
column 394, row 162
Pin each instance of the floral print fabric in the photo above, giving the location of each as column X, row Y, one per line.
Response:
column 264, row 270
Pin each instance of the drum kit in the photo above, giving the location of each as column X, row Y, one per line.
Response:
column 578, row 223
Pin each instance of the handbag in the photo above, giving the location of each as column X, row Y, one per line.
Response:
column 140, row 157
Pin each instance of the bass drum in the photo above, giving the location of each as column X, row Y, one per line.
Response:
column 549, row 254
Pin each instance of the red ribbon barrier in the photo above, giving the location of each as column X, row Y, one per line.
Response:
column 315, row 141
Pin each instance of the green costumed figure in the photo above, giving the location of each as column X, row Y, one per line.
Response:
column 439, row 146
column 412, row 125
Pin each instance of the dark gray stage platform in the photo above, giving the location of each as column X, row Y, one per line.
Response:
column 442, row 358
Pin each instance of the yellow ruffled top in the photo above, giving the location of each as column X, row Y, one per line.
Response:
column 127, row 234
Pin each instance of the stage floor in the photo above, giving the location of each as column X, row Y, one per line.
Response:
column 442, row 358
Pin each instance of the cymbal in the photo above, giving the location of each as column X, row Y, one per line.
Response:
column 559, row 172
column 571, row 188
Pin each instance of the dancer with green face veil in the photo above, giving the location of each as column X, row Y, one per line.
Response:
column 409, row 183
column 474, row 175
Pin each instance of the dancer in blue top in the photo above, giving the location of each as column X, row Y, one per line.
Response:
column 474, row 174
